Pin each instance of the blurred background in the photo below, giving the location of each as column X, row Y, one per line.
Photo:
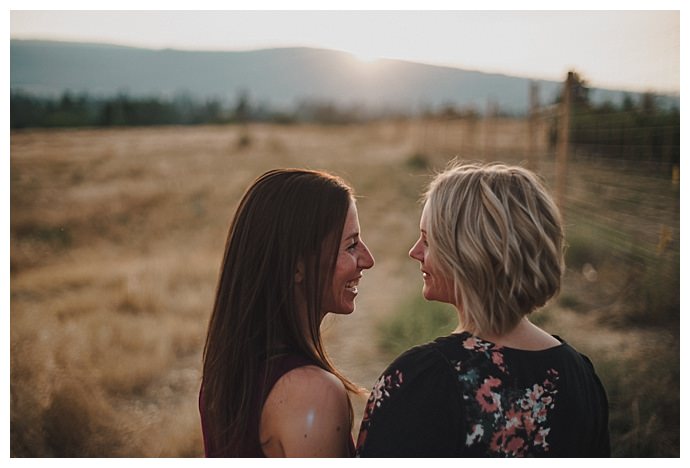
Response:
column 134, row 134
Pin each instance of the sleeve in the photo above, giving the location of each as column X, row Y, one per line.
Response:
column 601, row 445
column 602, row 448
column 413, row 410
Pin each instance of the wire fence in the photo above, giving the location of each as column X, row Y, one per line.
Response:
column 616, row 176
column 617, row 184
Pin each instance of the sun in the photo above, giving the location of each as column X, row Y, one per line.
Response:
column 366, row 57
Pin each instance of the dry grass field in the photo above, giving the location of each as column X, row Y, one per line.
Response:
column 117, row 237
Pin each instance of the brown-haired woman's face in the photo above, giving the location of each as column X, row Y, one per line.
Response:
column 353, row 258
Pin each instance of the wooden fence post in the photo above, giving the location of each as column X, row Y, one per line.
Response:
column 563, row 143
column 490, row 134
column 532, row 156
column 471, row 148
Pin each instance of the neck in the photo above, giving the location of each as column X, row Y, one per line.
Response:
column 525, row 336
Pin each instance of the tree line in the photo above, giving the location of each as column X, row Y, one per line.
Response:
column 636, row 130
column 82, row 110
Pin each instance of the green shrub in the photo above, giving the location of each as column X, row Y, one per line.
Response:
column 641, row 279
column 56, row 237
column 590, row 243
column 418, row 321
column 655, row 291
column 244, row 141
column 644, row 399
column 418, row 161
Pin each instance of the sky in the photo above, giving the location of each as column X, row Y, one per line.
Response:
column 630, row 50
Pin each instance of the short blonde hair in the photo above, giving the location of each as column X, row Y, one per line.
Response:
column 496, row 231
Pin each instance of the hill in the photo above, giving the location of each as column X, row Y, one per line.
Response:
column 278, row 78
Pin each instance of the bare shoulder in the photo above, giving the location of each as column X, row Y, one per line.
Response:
column 308, row 387
column 306, row 414
column 312, row 377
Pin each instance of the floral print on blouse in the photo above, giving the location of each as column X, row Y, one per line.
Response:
column 381, row 391
column 511, row 422
column 464, row 396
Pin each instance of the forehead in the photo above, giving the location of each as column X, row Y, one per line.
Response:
column 424, row 219
column 351, row 221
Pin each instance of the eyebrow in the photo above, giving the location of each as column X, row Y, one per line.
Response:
column 354, row 234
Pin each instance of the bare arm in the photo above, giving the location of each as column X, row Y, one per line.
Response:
column 306, row 415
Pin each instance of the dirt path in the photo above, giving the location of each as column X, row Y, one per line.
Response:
column 352, row 341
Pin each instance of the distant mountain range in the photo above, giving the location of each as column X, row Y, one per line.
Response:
column 278, row 78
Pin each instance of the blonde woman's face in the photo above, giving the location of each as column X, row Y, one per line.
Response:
column 437, row 287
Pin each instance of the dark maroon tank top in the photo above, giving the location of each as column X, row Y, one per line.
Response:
column 250, row 446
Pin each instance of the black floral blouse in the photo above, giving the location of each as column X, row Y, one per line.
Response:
column 463, row 396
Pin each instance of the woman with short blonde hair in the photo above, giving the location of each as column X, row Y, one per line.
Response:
column 497, row 233
column 491, row 244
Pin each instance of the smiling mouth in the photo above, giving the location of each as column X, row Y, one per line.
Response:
column 352, row 285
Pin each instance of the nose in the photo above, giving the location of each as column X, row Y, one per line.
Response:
column 416, row 252
column 366, row 260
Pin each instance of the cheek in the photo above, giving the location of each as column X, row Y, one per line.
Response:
column 431, row 264
column 442, row 286
column 344, row 269
column 448, row 289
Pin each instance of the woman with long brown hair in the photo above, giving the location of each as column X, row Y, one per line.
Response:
column 293, row 254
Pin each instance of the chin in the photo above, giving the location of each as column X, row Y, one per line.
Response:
column 430, row 296
column 345, row 310
column 342, row 312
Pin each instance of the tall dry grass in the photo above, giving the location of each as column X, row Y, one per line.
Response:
column 116, row 239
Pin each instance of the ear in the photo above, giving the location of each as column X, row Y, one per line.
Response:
column 299, row 272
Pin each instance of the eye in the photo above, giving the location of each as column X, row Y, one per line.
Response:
column 352, row 246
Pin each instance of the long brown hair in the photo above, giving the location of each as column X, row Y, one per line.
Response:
column 285, row 218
